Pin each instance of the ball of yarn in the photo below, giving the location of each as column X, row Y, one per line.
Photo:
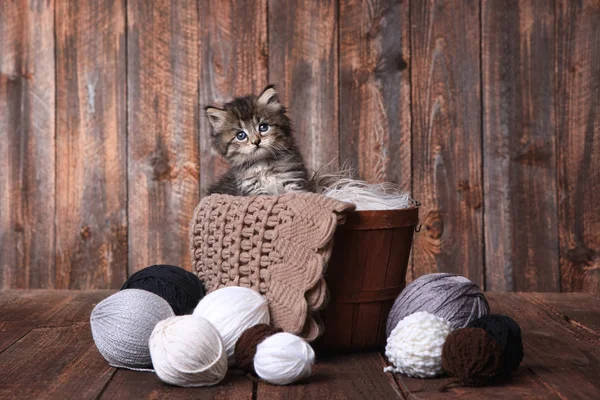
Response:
column 180, row 288
column 472, row 356
column 452, row 297
column 188, row 351
column 245, row 348
column 232, row 310
column 277, row 357
column 283, row 358
column 122, row 324
column 415, row 345
column 507, row 332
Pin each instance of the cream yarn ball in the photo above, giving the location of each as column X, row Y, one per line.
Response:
column 232, row 310
column 415, row 345
column 188, row 351
column 283, row 358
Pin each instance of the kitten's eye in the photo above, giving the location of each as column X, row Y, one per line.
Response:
column 241, row 136
column 263, row 127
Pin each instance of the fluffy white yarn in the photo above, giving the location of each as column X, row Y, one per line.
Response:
column 415, row 345
column 369, row 196
column 188, row 351
column 283, row 358
column 232, row 310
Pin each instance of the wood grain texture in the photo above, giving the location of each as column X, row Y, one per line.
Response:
column 523, row 384
column 578, row 138
column 581, row 309
column 71, row 366
column 28, row 310
column 564, row 357
column 487, row 109
column 303, row 62
column 8, row 296
column 46, row 346
column 50, row 308
column 20, row 316
column 127, row 385
column 352, row 376
column 234, row 60
column 163, row 169
column 27, row 139
column 364, row 278
column 91, row 217
column 381, row 219
column 521, row 233
column 374, row 91
column 446, row 126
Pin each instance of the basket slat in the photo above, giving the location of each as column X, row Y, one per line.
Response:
column 367, row 271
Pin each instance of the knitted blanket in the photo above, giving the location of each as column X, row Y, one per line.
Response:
column 276, row 245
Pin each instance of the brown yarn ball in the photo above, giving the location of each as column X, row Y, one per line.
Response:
column 245, row 347
column 472, row 356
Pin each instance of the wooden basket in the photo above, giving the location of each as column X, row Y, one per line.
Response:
column 366, row 272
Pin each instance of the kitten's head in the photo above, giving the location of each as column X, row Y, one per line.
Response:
column 251, row 128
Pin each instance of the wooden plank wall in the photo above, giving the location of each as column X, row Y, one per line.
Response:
column 27, row 144
column 447, row 176
column 487, row 110
column 519, row 147
column 91, row 169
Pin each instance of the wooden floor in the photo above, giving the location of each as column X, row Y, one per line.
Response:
column 46, row 351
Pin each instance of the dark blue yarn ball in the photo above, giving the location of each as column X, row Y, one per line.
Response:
column 180, row 288
column 507, row 332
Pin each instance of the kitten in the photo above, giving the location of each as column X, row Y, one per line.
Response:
column 254, row 135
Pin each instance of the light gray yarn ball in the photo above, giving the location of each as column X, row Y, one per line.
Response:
column 452, row 297
column 122, row 324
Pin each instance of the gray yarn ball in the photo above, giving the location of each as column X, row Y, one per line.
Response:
column 122, row 324
column 452, row 297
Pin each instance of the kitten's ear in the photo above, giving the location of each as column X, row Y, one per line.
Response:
column 216, row 116
column 269, row 98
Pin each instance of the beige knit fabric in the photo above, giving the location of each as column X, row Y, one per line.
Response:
column 276, row 245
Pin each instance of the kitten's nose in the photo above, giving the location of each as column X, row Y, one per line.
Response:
column 256, row 141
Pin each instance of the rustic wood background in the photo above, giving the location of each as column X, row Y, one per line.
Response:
column 486, row 110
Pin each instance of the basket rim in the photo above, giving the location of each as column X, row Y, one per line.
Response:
column 381, row 219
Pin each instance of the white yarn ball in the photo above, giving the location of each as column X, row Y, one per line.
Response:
column 283, row 358
column 188, row 351
column 232, row 310
column 415, row 345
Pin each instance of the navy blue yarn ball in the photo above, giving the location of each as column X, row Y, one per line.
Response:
column 507, row 332
column 180, row 288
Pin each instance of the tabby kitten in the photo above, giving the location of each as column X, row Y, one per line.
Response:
column 254, row 135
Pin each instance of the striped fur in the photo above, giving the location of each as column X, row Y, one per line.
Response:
column 266, row 160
